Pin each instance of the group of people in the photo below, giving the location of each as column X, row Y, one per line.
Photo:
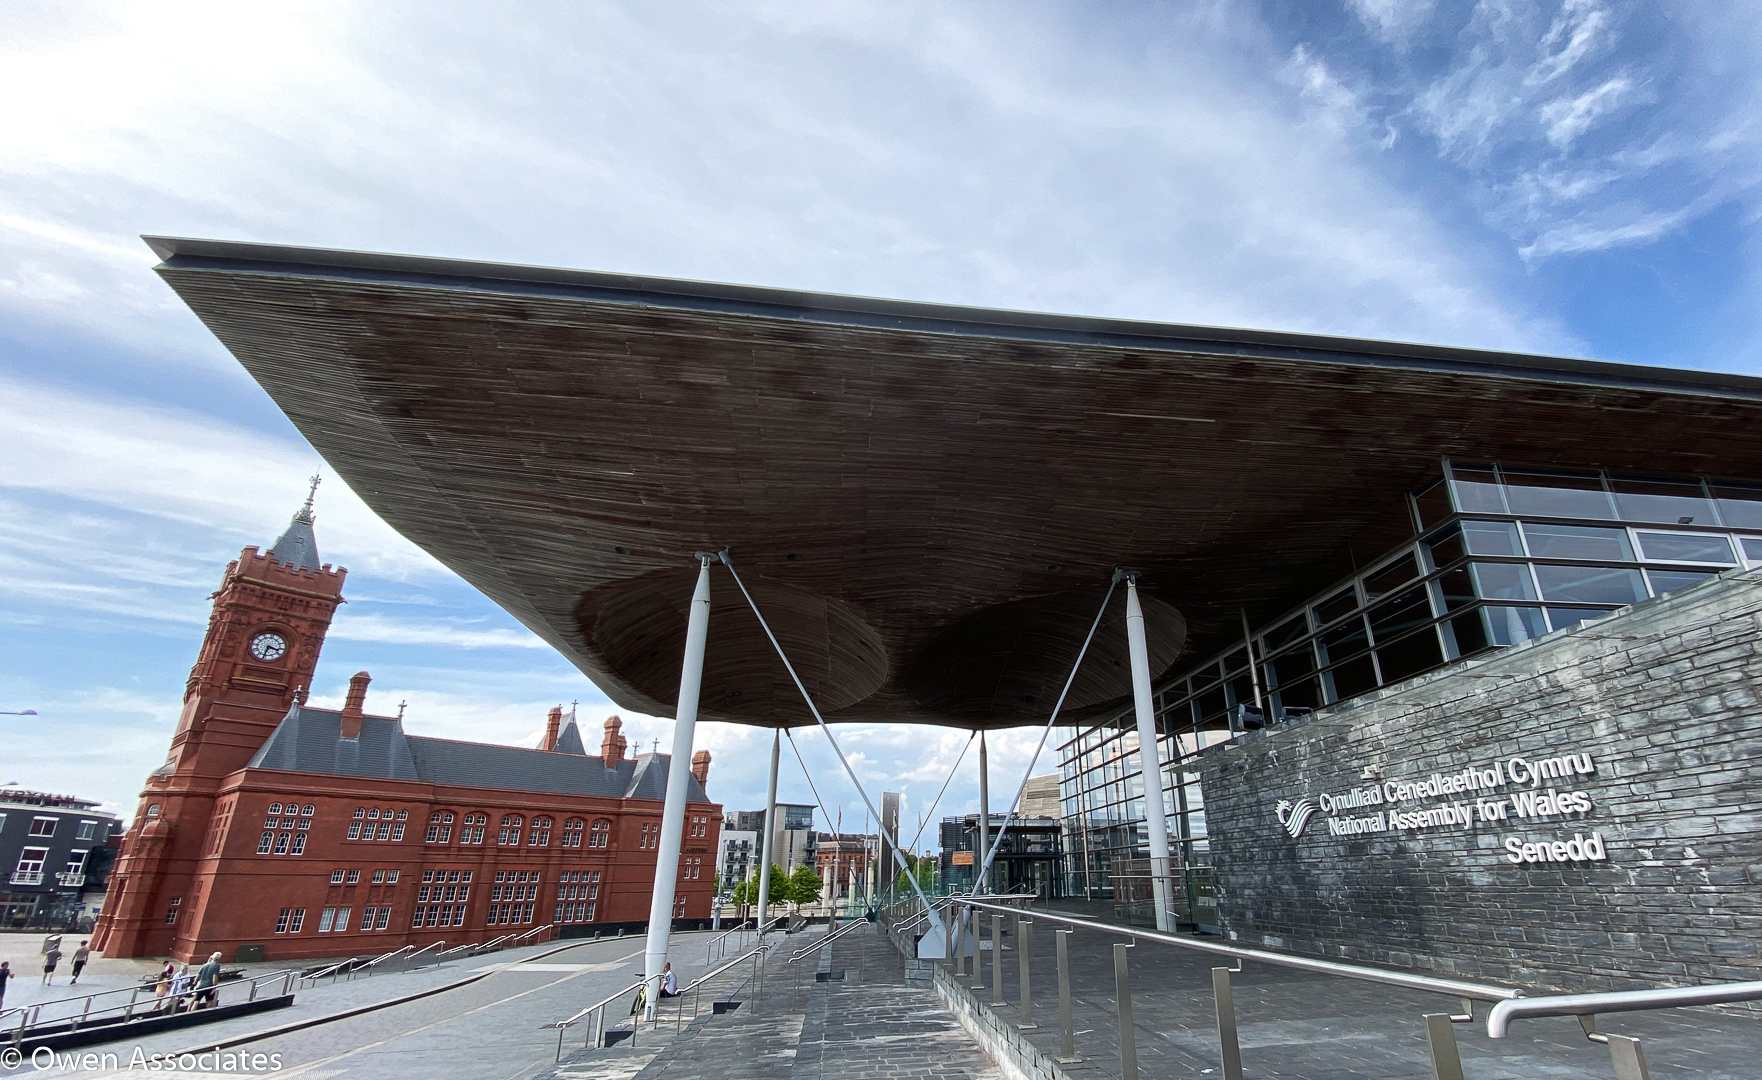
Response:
column 52, row 957
column 180, row 991
column 177, row 988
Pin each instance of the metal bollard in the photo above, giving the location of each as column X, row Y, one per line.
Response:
column 996, row 959
column 1067, row 1031
column 1122, row 988
column 1229, row 1048
column 1441, row 1041
column 961, row 941
column 1025, row 952
column 1627, row 1057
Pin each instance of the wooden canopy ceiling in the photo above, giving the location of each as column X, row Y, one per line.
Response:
column 927, row 501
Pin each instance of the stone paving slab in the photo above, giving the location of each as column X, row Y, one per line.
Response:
column 1295, row 1025
column 867, row 1026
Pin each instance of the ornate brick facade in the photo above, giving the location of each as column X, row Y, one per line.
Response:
column 315, row 832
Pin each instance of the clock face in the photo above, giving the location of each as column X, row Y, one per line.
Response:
column 269, row 646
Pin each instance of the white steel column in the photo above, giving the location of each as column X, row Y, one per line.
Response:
column 1149, row 756
column 983, row 863
column 770, row 830
column 691, row 675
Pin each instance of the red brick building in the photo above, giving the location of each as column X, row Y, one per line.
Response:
column 321, row 832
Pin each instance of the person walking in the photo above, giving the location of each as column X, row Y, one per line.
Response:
column 180, row 986
column 50, row 959
column 206, row 981
column 80, row 956
column 5, row 977
column 163, row 989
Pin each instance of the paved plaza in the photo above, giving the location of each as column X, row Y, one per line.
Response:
column 1295, row 1025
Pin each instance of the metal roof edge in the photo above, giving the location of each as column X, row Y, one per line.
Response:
column 184, row 253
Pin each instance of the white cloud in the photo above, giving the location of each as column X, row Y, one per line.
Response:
column 453, row 633
column 1568, row 118
column 180, row 466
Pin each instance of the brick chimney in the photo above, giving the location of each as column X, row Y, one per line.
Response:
column 612, row 747
column 352, row 704
column 700, row 768
column 553, row 724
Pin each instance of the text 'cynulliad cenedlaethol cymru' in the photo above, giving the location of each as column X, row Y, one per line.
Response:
column 1501, row 791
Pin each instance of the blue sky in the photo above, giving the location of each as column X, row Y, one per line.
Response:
column 1575, row 178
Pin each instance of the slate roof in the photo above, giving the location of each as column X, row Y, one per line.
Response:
column 298, row 544
column 310, row 740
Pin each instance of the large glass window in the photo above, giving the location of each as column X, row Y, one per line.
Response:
column 1590, row 584
column 1687, row 547
column 1741, row 507
column 1491, row 537
column 1477, row 489
column 1681, row 502
column 1556, row 494
column 1504, row 581
column 1576, row 542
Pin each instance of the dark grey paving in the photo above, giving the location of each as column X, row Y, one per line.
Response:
column 1295, row 1025
column 866, row 1026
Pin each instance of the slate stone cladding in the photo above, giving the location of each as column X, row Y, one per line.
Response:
column 1663, row 696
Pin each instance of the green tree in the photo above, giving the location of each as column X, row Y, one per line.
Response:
column 804, row 886
column 924, row 868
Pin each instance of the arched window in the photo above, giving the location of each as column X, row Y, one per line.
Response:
column 471, row 830
column 308, row 810
column 510, row 834
column 601, row 835
column 440, row 827
column 373, row 814
column 572, row 830
column 275, row 809
column 540, row 836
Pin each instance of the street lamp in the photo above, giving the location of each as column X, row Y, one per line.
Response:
column 9, row 712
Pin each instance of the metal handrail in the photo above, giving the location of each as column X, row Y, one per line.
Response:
column 827, row 940
column 573, row 1020
column 419, row 952
column 31, row 1016
column 1453, row 987
column 383, row 957
column 1676, row 997
column 529, row 933
column 711, row 947
column 736, row 962
column 351, row 963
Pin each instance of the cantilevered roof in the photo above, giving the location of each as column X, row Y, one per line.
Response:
column 927, row 500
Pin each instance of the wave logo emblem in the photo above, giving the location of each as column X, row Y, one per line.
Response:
column 1294, row 815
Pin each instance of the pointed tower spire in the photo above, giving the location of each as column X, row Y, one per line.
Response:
column 298, row 545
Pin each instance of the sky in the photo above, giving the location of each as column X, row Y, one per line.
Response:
column 1574, row 178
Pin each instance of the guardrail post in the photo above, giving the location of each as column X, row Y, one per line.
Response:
column 1441, row 1041
column 1627, row 1057
column 996, row 959
column 1229, row 1048
column 1024, row 953
column 1122, row 987
column 978, row 952
column 1067, row 1031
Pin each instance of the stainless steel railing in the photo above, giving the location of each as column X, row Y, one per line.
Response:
column 71, row 1014
column 595, row 1015
column 1229, row 1047
column 1624, row 1050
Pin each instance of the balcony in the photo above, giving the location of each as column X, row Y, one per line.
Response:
column 27, row 877
column 69, row 879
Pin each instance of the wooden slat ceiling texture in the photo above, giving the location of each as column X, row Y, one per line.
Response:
column 927, row 501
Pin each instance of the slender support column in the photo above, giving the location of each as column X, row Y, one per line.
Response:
column 1149, row 757
column 1229, row 1047
column 1067, row 1030
column 983, row 862
column 697, row 629
column 1024, row 953
column 1122, row 988
column 770, row 830
column 996, row 959
column 1441, row 1041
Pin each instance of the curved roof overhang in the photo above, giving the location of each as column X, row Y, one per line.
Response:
column 928, row 501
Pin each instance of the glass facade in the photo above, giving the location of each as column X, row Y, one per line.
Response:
column 1494, row 555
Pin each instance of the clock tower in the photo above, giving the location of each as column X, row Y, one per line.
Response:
column 270, row 616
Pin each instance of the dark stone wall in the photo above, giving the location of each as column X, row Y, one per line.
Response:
column 1663, row 697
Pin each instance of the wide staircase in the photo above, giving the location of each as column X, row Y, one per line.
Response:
column 815, row 1011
